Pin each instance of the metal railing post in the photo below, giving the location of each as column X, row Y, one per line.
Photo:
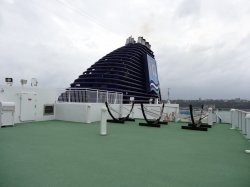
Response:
column 97, row 97
column 69, row 95
column 107, row 95
column 115, row 98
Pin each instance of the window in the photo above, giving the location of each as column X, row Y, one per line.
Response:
column 48, row 110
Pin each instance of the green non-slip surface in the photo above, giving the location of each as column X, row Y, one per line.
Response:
column 58, row 153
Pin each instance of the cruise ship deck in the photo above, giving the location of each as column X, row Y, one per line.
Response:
column 60, row 153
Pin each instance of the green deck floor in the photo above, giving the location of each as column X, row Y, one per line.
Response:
column 58, row 153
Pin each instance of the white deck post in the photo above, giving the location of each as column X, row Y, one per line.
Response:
column 240, row 119
column 237, row 120
column 248, row 126
column 210, row 116
column 103, row 123
column 232, row 111
column 243, row 120
column 248, row 129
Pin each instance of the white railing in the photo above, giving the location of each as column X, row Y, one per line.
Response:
column 240, row 120
column 86, row 95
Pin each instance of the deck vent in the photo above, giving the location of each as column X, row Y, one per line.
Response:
column 48, row 110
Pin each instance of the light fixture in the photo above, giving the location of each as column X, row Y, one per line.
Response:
column 34, row 82
column 9, row 81
column 23, row 82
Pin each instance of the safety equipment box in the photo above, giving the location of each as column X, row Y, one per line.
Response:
column 7, row 110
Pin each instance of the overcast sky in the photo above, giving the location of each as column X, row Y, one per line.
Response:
column 202, row 47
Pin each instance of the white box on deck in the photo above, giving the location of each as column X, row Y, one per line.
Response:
column 7, row 110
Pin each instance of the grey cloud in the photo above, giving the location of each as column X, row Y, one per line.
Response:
column 55, row 42
column 217, row 74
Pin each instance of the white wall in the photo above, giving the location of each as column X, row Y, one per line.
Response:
column 43, row 96
column 71, row 112
column 91, row 112
column 83, row 112
column 78, row 112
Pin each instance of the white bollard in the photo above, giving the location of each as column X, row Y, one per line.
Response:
column 232, row 111
column 88, row 114
column 210, row 116
column 103, row 124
